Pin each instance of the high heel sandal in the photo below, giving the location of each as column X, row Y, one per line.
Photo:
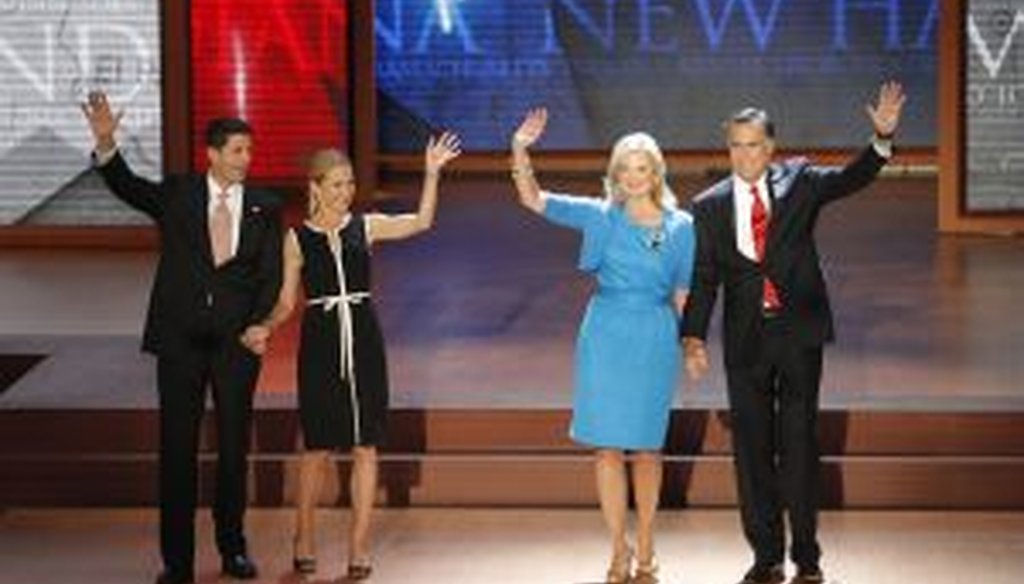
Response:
column 646, row 572
column 302, row 564
column 360, row 571
column 621, row 567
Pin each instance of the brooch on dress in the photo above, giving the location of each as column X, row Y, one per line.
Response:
column 655, row 238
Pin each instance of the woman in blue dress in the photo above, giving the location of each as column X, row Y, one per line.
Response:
column 639, row 248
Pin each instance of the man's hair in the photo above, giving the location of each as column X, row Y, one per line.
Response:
column 220, row 130
column 751, row 115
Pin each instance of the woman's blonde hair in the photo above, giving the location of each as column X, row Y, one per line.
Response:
column 644, row 143
column 317, row 166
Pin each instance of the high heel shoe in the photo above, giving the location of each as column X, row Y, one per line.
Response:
column 646, row 571
column 302, row 564
column 621, row 568
column 305, row 565
column 360, row 571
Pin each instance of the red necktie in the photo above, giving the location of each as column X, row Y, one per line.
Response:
column 759, row 226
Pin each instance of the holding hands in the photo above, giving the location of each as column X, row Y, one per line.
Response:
column 696, row 359
column 885, row 114
column 256, row 338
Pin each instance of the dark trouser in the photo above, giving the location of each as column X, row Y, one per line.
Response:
column 774, row 410
column 183, row 374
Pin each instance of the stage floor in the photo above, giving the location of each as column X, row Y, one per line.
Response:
column 458, row 546
column 482, row 313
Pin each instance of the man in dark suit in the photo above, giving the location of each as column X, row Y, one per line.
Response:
column 218, row 275
column 755, row 238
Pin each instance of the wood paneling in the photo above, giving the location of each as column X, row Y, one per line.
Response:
column 523, row 457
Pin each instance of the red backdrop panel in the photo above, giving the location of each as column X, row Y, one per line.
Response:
column 281, row 65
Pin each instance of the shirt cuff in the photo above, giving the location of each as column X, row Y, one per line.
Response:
column 882, row 146
column 102, row 158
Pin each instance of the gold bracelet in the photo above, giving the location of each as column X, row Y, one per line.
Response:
column 521, row 171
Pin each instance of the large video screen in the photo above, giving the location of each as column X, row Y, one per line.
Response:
column 281, row 66
column 675, row 68
column 994, row 45
column 52, row 54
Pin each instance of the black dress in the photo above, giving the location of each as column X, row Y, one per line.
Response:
column 343, row 384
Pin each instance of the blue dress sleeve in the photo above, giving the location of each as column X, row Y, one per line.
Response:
column 687, row 250
column 580, row 213
column 591, row 216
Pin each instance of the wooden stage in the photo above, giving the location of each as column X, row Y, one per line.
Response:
column 521, row 546
column 922, row 390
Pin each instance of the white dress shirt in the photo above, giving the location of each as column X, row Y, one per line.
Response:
column 234, row 203
column 743, row 202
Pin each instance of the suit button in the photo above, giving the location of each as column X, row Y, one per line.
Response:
column 209, row 299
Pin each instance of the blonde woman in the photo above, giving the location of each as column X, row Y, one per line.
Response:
column 640, row 249
column 342, row 374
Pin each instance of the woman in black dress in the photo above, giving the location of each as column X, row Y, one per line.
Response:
column 342, row 385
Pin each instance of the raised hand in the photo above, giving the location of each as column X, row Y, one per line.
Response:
column 531, row 129
column 885, row 115
column 102, row 120
column 441, row 150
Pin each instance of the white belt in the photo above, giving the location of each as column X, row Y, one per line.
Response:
column 331, row 302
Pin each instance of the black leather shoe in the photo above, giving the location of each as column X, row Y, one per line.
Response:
column 808, row 575
column 764, row 574
column 238, row 566
column 168, row 577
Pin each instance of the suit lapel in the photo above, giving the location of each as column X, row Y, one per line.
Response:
column 780, row 183
column 251, row 211
column 775, row 209
column 199, row 198
column 730, row 209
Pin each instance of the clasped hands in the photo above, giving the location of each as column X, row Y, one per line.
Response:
column 256, row 338
column 697, row 364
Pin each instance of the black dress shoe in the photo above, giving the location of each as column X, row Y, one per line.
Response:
column 808, row 575
column 168, row 577
column 764, row 574
column 238, row 566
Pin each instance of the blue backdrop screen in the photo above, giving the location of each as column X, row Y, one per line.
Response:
column 674, row 68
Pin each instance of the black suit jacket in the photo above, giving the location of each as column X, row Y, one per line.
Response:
column 190, row 297
column 798, row 193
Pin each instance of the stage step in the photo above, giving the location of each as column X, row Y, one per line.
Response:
column 523, row 458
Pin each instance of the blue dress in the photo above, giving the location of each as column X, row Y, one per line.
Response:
column 627, row 359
